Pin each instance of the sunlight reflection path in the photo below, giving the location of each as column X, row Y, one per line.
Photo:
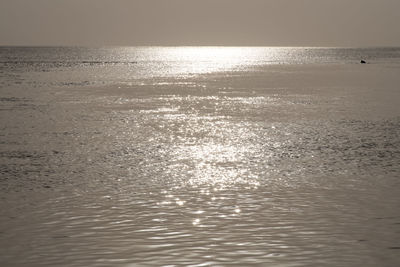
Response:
column 200, row 60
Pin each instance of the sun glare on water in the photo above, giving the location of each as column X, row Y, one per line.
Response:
column 199, row 60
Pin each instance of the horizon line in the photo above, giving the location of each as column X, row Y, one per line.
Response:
column 255, row 46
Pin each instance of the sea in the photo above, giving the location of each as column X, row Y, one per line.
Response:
column 199, row 156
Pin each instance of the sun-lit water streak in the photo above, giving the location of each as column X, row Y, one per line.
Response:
column 198, row 60
column 184, row 62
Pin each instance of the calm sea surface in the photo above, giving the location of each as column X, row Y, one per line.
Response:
column 70, row 66
column 199, row 156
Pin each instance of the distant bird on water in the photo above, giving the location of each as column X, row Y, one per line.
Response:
column 363, row 61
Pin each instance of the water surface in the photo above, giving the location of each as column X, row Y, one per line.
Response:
column 199, row 157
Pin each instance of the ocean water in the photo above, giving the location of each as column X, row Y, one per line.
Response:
column 199, row 156
column 76, row 66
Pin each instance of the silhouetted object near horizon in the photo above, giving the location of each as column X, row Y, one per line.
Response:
column 363, row 61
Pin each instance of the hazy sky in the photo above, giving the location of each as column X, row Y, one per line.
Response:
column 200, row 22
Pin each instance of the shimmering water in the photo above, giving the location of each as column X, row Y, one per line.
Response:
column 199, row 157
